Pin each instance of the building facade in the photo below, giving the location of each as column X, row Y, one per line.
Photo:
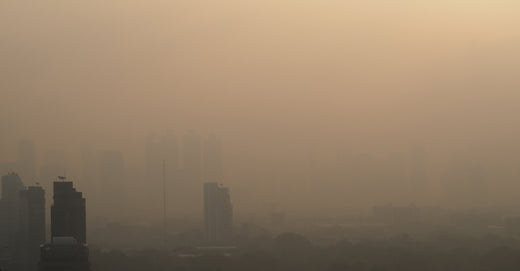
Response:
column 218, row 213
column 68, row 212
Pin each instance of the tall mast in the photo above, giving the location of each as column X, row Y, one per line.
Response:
column 164, row 202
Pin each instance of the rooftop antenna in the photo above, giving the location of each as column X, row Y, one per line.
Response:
column 164, row 202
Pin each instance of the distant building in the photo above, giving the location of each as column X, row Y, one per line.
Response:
column 218, row 213
column 68, row 217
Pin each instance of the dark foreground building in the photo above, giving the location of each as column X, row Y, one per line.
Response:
column 68, row 249
column 32, row 225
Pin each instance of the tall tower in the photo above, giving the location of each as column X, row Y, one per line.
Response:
column 218, row 213
column 68, row 217
column 11, row 187
column 33, row 204
column 68, row 249
column 32, row 228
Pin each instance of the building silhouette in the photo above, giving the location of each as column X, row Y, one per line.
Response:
column 10, row 222
column 33, row 209
column 32, row 228
column 68, row 249
column 22, row 223
column 68, row 212
column 218, row 213
column 11, row 187
column 53, row 163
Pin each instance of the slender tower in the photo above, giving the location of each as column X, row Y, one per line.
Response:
column 164, row 203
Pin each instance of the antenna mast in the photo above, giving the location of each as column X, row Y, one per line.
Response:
column 164, row 202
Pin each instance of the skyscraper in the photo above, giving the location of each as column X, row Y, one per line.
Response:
column 32, row 229
column 11, row 187
column 68, row 217
column 68, row 249
column 33, row 209
column 218, row 213
column 212, row 159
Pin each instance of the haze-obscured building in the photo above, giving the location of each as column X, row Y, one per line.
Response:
column 218, row 213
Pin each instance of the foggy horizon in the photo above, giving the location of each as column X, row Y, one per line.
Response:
column 318, row 111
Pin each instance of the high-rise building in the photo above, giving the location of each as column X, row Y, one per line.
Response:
column 218, row 213
column 11, row 187
column 68, row 249
column 10, row 221
column 68, row 217
column 33, row 210
column 32, row 228
column 53, row 164
column 212, row 158
column 22, row 227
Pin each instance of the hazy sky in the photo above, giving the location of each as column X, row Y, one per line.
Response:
column 267, row 76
